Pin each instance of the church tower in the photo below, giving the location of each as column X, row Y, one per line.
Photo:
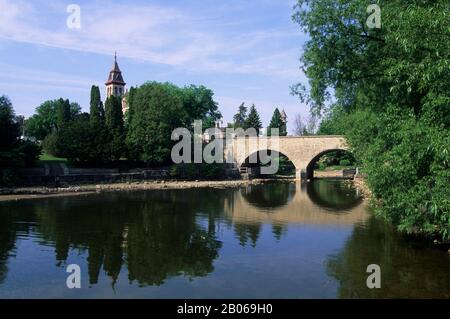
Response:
column 283, row 117
column 115, row 84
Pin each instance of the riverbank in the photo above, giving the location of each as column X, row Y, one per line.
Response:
column 361, row 184
column 8, row 194
column 20, row 193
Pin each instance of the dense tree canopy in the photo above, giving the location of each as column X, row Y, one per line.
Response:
column 14, row 152
column 387, row 90
column 156, row 112
column 199, row 104
column 156, row 109
column 47, row 117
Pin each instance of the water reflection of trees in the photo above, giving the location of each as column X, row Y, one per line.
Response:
column 7, row 242
column 167, row 244
column 408, row 268
column 10, row 229
column 156, row 235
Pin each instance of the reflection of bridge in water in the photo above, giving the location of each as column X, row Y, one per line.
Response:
column 301, row 203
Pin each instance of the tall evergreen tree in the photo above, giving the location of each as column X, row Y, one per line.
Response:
column 253, row 120
column 129, row 98
column 115, row 127
column 97, row 113
column 62, row 112
column 240, row 117
column 277, row 122
column 113, row 113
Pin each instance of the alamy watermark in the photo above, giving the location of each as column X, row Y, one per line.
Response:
column 74, row 19
column 221, row 148
column 74, row 279
column 374, row 279
column 374, row 19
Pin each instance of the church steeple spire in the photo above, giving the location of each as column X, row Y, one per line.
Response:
column 115, row 85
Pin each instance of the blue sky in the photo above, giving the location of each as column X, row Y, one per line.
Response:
column 244, row 50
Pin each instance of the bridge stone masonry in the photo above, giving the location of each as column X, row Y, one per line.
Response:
column 302, row 151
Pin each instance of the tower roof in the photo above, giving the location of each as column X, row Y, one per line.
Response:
column 115, row 75
column 283, row 115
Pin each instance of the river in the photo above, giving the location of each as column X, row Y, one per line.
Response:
column 275, row 240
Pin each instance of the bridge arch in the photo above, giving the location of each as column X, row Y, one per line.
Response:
column 256, row 160
column 310, row 167
column 302, row 151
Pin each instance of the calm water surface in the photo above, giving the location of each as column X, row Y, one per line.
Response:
column 278, row 240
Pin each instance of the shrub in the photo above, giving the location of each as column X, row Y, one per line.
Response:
column 344, row 162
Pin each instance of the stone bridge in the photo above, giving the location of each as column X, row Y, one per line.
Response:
column 302, row 151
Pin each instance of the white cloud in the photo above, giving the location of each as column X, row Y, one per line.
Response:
column 153, row 33
column 13, row 72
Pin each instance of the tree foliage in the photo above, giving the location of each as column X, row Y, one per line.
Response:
column 82, row 142
column 390, row 99
column 277, row 122
column 115, row 126
column 14, row 152
column 253, row 120
column 156, row 109
column 199, row 104
column 48, row 116
column 240, row 118
column 97, row 113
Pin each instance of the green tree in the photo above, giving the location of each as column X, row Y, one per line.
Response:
column 75, row 110
column 81, row 142
column 9, row 129
column 240, row 117
column 97, row 113
column 199, row 104
column 253, row 120
column 45, row 120
column 157, row 111
column 390, row 100
column 129, row 100
column 115, row 126
column 277, row 122
column 14, row 152
column 62, row 113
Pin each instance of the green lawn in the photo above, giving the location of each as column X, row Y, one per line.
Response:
column 334, row 168
column 47, row 158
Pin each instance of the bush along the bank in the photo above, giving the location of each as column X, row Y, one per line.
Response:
column 391, row 101
column 15, row 153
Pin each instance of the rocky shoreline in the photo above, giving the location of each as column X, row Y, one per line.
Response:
column 361, row 184
column 7, row 194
